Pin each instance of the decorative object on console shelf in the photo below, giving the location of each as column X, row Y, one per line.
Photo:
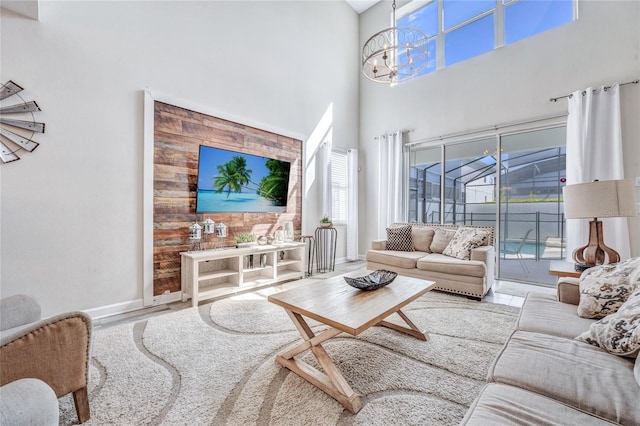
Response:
column 288, row 232
column 245, row 239
column 195, row 234
column 209, row 231
column 279, row 237
column 394, row 54
column 373, row 281
column 262, row 240
column 608, row 198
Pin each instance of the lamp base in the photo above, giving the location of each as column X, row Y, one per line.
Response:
column 596, row 252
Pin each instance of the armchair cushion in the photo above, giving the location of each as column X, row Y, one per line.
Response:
column 28, row 402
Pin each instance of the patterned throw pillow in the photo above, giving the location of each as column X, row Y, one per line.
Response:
column 465, row 240
column 422, row 238
column 604, row 288
column 399, row 238
column 441, row 239
column 618, row 333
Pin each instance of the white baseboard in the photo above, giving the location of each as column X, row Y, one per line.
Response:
column 116, row 308
column 131, row 305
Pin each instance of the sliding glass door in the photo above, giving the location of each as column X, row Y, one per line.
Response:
column 531, row 214
column 518, row 191
column 469, row 182
column 425, row 173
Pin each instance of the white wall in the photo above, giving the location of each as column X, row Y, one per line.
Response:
column 510, row 84
column 71, row 212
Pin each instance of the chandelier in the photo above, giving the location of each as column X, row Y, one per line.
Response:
column 395, row 54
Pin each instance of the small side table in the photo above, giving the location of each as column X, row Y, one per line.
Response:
column 326, row 249
column 563, row 269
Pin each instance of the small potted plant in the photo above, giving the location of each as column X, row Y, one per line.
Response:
column 245, row 239
column 325, row 222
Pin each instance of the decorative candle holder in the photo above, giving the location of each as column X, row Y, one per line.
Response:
column 288, row 232
column 195, row 234
column 209, row 231
column 221, row 232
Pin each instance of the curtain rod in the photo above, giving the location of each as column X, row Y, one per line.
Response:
column 495, row 127
column 570, row 95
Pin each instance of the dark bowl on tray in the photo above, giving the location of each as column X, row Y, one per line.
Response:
column 373, row 281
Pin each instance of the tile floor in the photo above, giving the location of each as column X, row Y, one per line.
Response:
column 503, row 292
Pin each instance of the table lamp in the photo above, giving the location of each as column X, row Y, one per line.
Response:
column 606, row 198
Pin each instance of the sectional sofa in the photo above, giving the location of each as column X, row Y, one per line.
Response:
column 460, row 259
column 544, row 376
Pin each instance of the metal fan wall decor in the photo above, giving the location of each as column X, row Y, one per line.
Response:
column 16, row 133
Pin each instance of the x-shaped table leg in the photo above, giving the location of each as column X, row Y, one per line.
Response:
column 333, row 382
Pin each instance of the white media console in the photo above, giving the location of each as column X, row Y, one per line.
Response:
column 212, row 273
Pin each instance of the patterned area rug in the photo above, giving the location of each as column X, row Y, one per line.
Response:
column 214, row 365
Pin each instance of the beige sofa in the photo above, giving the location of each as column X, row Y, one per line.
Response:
column 473, row 277
column 545, row 377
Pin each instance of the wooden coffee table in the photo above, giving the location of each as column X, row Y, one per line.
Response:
column 344, row 309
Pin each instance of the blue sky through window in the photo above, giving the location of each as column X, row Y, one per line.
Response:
column 526, row 18
column 471, row 40
column 522, row 19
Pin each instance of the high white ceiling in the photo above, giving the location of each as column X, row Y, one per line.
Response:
column 361, row 5
column 29, row 8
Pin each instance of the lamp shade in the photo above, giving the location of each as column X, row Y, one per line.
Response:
column 604, row 198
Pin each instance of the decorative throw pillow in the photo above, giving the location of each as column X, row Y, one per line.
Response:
column 618, row 333
column 422, row 238
column 441, row 239
column 464, row 240
column 604, row 288
column 399, row 238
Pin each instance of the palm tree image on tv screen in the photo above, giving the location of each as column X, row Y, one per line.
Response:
column 231, row 181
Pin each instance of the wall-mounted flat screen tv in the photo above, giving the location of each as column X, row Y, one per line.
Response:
column 230, row 181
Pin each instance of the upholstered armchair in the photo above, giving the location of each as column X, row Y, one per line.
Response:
column 55, row 350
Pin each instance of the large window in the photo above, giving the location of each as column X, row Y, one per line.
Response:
column 458, row 30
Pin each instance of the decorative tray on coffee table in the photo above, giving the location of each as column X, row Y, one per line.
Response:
column 373, row 281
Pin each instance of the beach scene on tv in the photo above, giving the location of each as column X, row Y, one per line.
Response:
column 230, row 181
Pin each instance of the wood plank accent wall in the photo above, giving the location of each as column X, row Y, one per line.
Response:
column 178, row 134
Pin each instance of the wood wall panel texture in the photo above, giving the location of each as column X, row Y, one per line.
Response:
column 178, row 134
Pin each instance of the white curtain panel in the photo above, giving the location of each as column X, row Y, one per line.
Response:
column 594, row 151
column 389, row 181
column 352, row 204
column 325, row 179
